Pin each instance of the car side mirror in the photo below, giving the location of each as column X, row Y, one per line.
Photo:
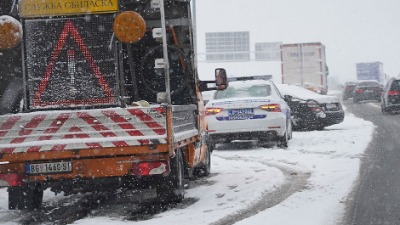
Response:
column 287, row 98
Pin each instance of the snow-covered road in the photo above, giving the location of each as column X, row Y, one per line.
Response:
column 307, row 183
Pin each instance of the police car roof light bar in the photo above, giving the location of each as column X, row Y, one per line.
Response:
column 256, row 77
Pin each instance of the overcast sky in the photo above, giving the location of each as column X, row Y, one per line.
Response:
column 352, row 30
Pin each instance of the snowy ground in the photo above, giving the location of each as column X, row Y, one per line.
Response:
column 249, row 178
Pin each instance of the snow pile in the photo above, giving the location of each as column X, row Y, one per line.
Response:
column 302, row 93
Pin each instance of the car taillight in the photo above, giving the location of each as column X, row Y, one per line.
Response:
column 10, row 180
column 394, row 93
column 150, row 168
column 271, row 107
column 213, row 111
column 359, row 90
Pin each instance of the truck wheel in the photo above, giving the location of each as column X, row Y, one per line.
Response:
column 29, row 197
column 171, row 189
column 204, row 169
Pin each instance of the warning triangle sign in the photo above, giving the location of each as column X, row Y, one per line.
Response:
column 80, row 74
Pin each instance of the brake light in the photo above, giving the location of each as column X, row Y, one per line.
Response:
column 271, row 107
column 213, row 111
column 359, row 91
column 394, row 93
column 150, row 168
column 10, row 180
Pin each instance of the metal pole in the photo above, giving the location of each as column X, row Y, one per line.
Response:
column 302, row 65
column 170, row 126
column 165, row 52
column 195, row 32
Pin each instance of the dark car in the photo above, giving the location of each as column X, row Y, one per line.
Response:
column 391, row 96
column 348, row 90
column 367, row 90
column 311, row 111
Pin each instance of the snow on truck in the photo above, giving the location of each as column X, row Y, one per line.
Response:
column 108, row 97
column 304, row 64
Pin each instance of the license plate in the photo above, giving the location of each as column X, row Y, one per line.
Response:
column 369, row 91
column 46, row 168
column 330, row 106
column 240, row 112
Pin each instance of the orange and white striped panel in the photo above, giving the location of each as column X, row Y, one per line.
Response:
column 68, row 130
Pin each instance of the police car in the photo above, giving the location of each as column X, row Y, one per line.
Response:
column 251, row 108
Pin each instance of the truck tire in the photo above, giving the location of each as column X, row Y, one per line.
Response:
column 205, row 169
column 28, row 197
column 171, row 189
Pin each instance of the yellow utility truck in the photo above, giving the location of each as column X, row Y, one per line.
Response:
column 107, row 97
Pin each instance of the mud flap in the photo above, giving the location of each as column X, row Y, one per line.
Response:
column 171, row 188
column 205, row 169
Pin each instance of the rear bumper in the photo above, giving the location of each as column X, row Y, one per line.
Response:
column 332, row 118
column 393, row 101
column 394, row 107
column 274, row 122
column 312, row 121
column 252, row 135
column 83, row 168
column 369, row 96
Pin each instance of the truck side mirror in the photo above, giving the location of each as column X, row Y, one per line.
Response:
column 220, row 83
column 221, row 80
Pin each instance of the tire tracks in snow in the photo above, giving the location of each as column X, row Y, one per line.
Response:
column 295, row 181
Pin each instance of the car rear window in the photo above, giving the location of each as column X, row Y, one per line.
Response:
column 395, row 85
column 351, row 86
column 245, row 91
column 368, row 84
